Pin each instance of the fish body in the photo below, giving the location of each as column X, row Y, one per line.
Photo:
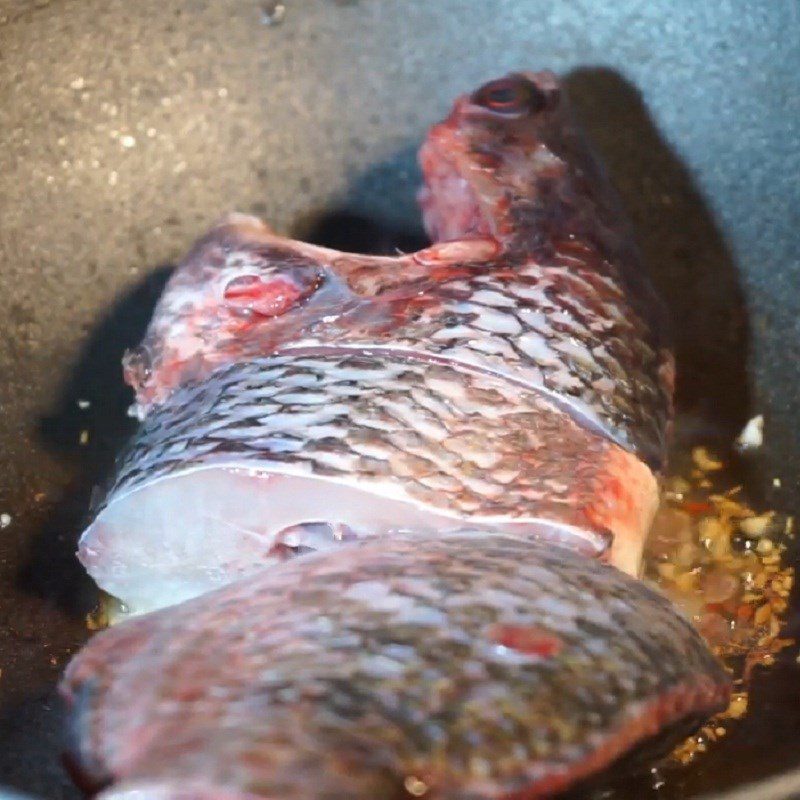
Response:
column 403, row 476
column 261, row 457
column 474, row 664
column 514, row 374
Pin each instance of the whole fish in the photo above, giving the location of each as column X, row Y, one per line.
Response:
column 463, row 435
column 515, row 374
column 463, row 665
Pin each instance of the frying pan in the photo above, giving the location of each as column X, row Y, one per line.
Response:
column 128, row 127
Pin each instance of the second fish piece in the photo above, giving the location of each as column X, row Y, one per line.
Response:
column 515, row 374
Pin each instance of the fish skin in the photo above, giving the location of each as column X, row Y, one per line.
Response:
column 461, row 445
column 482, row 664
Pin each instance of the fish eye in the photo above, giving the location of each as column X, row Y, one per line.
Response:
column 514, row 96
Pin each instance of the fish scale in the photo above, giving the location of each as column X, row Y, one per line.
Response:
column 459, row 444
column 349, row 672
column 587, row 330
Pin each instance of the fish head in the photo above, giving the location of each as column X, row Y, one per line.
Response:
column 509, row 161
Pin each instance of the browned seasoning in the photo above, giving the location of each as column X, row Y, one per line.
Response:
column 721, row 562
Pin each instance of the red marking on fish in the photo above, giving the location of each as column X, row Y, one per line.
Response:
column 266, row 298
column 529, row 641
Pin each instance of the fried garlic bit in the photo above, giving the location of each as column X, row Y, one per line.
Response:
column 106, row 613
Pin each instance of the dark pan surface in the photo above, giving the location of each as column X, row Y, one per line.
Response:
column 128, row 127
